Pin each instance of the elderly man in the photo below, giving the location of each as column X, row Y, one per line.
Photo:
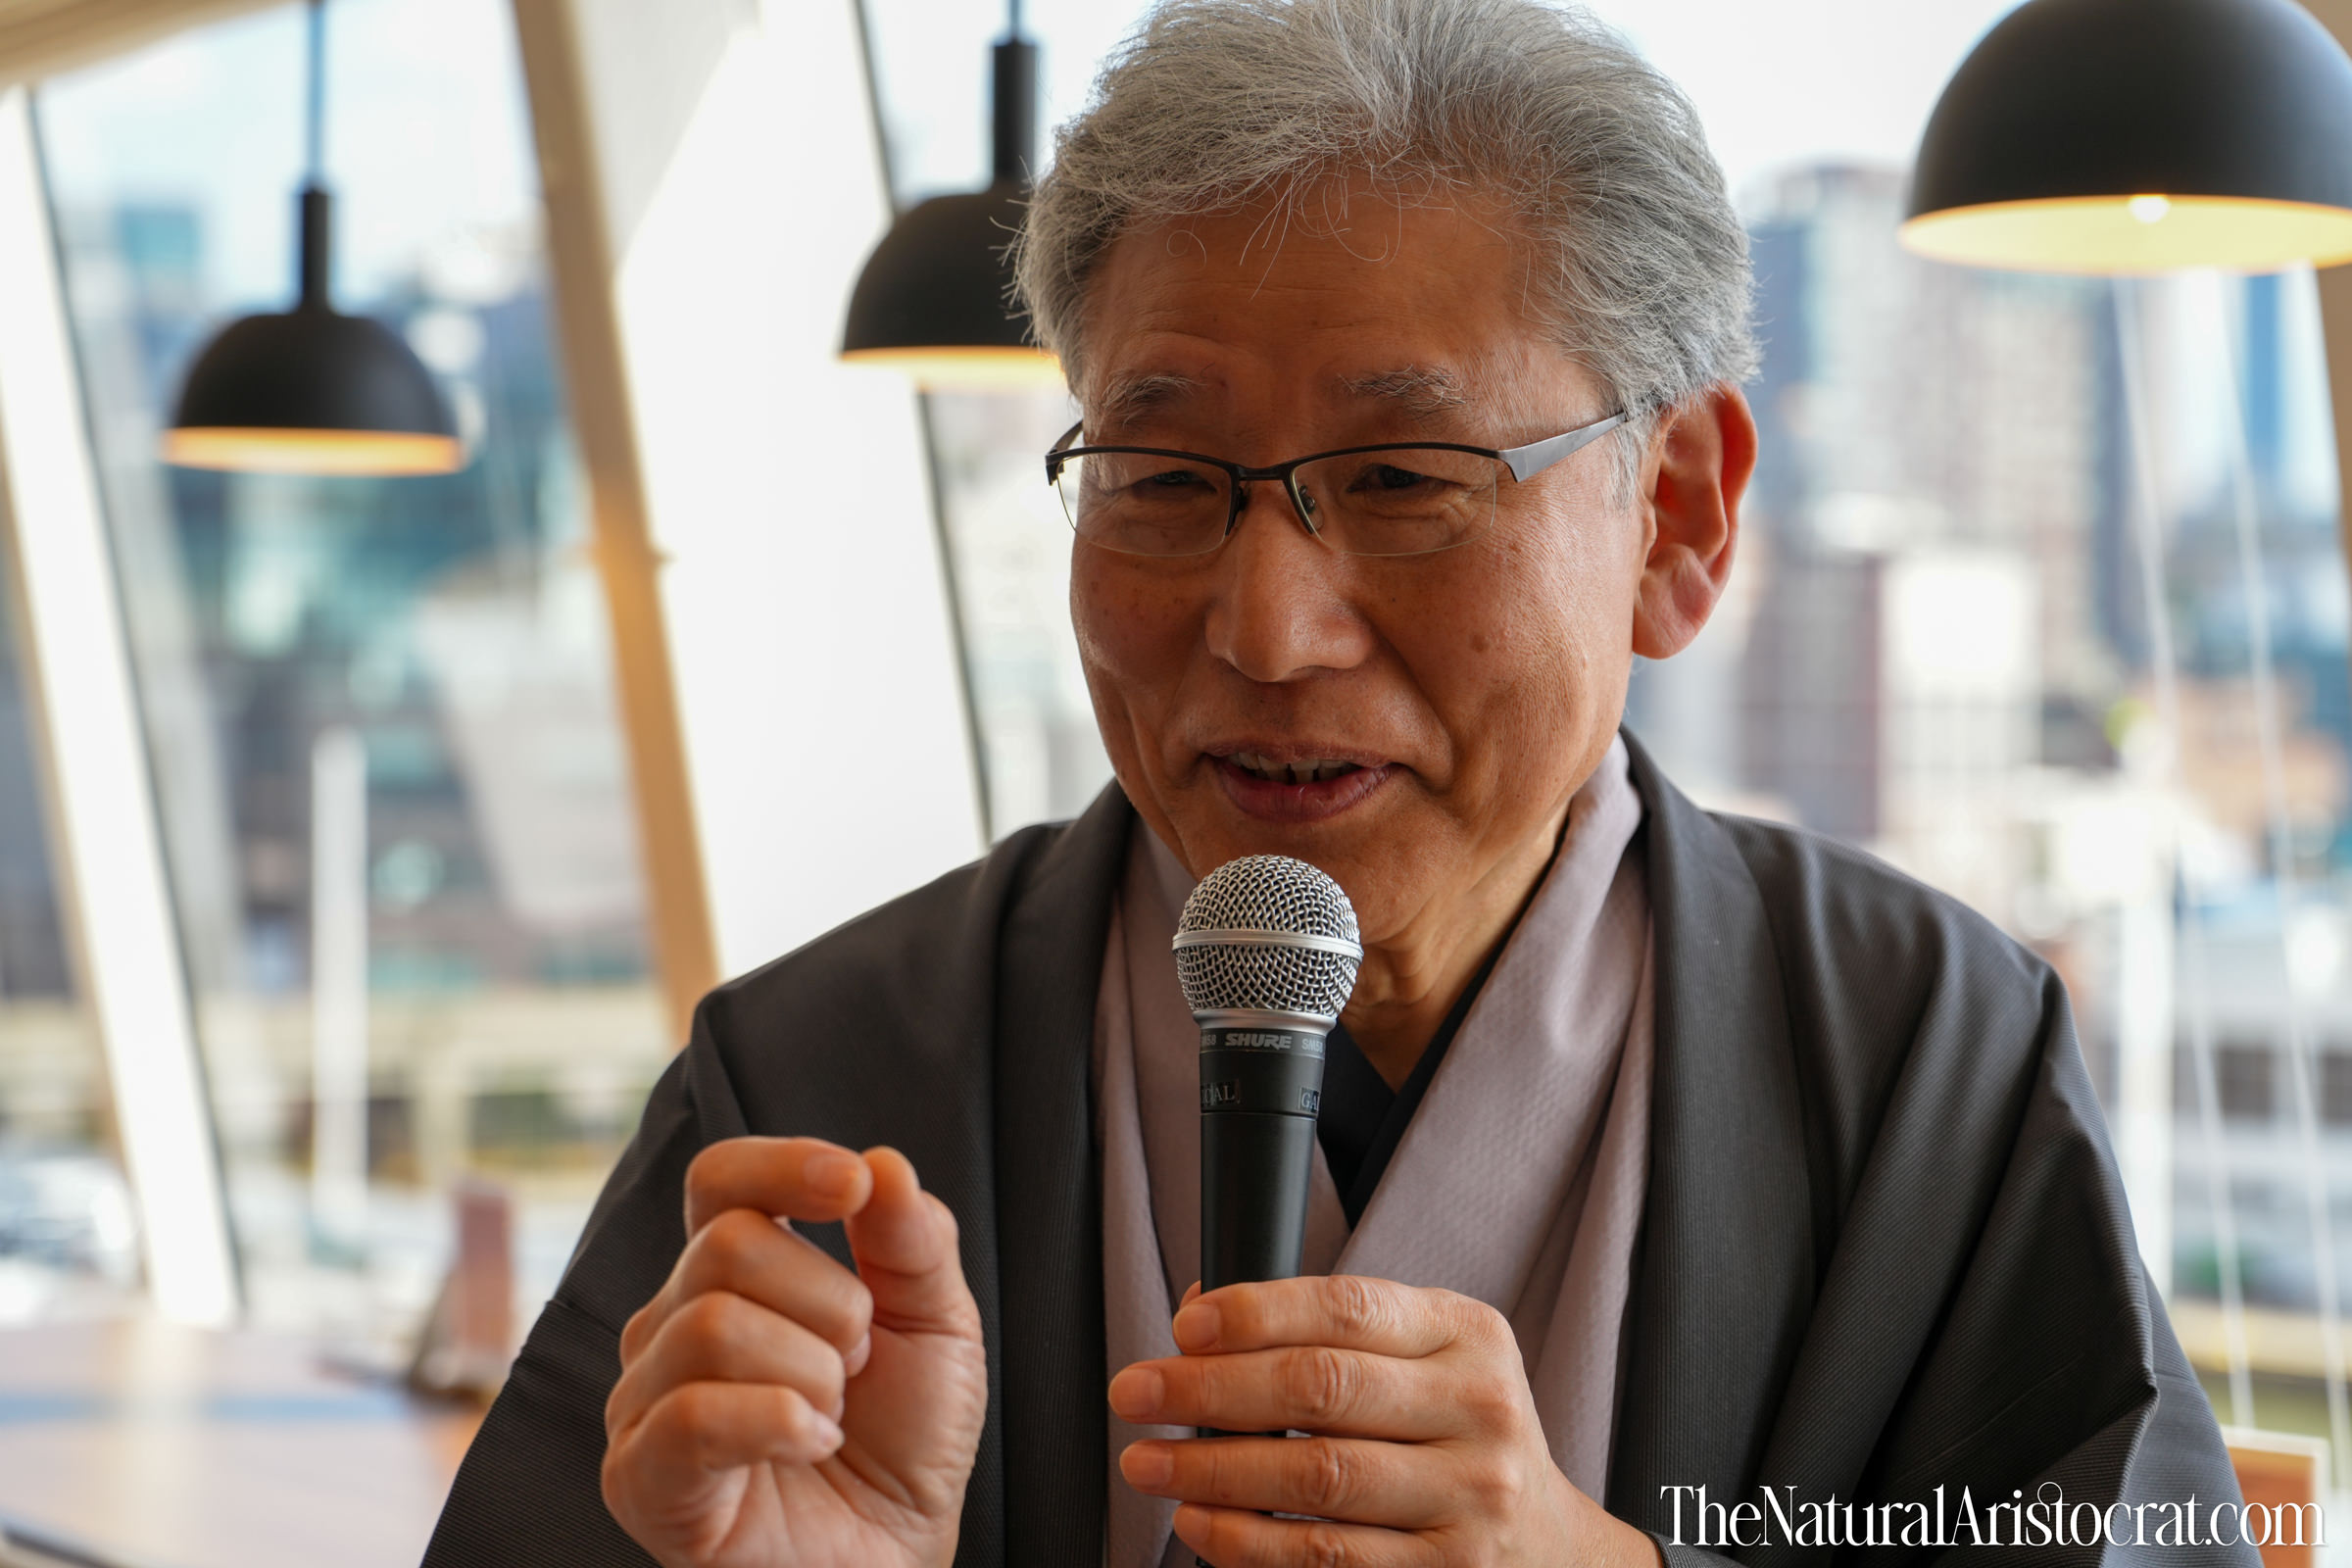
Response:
column 1684, row 1183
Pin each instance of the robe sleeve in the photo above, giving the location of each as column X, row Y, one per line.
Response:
column 2153, row 1459
column 530, row 1490
column 2048, row 1367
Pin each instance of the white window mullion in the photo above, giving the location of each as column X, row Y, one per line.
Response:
column 109, row 856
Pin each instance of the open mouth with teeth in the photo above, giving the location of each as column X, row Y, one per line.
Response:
column 1294, row 791
column 1305, row 770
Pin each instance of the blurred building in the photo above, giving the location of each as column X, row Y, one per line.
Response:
column 1946, row 653
column 1933, row 442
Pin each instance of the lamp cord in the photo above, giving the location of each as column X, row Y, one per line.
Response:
column 314, row 119
column 312, row 257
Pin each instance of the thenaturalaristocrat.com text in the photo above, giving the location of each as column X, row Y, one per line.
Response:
column 1779, row 1515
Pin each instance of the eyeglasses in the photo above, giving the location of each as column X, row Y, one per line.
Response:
column 1400, row 499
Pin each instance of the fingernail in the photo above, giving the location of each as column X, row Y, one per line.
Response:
column 1148, row 1464
column 1137, row 1391
column 831, row 1175
column 860, row 1354
column 828, row 1432
column 1198, row 1325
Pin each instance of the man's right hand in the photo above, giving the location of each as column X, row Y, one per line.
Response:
column 774, row 1408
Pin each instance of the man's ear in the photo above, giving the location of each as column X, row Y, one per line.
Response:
column 1697, row 468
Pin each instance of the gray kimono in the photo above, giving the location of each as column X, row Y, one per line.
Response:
column 1884, row 1267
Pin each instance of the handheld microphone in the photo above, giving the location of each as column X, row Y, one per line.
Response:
column 1267, row 952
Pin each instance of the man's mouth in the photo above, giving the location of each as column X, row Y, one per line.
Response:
column 1299, row 790
column 1304, row 770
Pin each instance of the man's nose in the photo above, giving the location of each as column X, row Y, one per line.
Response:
column 1280, row 610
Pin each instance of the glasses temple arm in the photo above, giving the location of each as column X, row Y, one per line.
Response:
column 1527, row 462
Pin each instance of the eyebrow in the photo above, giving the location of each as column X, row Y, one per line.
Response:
column 1132, row 394
column 1423, row 391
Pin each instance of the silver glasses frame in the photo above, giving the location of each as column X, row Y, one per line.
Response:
column 1524, row 462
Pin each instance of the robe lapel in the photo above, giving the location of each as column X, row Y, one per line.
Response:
column 1048, row 1379
column 1498, row 1188
column 1723, row 1271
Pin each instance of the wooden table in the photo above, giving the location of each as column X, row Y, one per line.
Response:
column 145, row 1444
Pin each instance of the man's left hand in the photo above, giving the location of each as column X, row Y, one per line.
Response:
column 1425, row 1446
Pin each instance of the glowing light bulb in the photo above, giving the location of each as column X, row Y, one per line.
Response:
column 2149, row 209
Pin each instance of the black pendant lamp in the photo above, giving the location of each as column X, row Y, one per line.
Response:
column 2142, row 136
column 934, row 298
column 312, row 390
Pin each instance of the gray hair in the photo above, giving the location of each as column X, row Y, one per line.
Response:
column 1210, row 106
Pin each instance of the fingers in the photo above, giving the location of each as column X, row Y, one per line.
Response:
column 746, row 1254
column 903, row 1240
column 695, row 1434
column 1230, row 1539
column 721, row 1338
column 790, row 1178
column 1395, row 1485
column 1338, row 1393
column 1344, row 1311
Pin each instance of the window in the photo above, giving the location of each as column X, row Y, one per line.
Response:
column 2335, row 1088
column 67, row 1230
column 1007, row 536
column 1012, row 544
column 2242, row 1077
column 380, row 710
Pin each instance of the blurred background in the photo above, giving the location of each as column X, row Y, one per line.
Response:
column 2043, row 598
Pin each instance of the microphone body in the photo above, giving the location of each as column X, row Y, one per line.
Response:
column 1267, row 952
column 1260, row 1088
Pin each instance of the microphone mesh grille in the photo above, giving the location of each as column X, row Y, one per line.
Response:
column 1267, row 892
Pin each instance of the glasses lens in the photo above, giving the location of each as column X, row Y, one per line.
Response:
column 1400, row 501
column 1146, row 503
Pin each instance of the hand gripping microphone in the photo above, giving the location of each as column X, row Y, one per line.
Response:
column 1267, row 952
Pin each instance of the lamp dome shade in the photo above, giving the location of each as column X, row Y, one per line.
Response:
column 2126, row 136
column 931, row 300
column 313, row 391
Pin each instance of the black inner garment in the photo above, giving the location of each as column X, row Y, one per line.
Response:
column 1363, row 1117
